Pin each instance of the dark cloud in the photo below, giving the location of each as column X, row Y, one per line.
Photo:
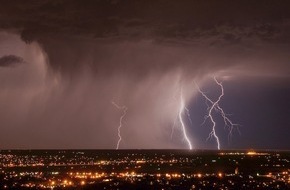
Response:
column 77, row 28
column 143, row 19
column 10, row 61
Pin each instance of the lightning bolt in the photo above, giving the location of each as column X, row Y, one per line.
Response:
column 188, row 115
column 174, row 123
column 215, row 107
column 181, row 110
column 177, row 114
column 124, row 108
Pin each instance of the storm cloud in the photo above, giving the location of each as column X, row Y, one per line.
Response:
column 10, row 61
column 81, row 56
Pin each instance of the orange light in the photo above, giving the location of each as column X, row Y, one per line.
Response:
column 251, row 153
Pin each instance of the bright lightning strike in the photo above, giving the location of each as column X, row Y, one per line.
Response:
column 215, row 106
column 124, row 108
column 181, row 110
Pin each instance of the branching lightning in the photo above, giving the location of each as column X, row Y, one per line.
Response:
column 124, row 108
column 215, row 106
column 181, row 110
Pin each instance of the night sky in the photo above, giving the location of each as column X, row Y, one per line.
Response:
column 63, row 63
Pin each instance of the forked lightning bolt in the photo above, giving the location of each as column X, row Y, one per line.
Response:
column 181, row 110
column 124, row 108
column 215, row 106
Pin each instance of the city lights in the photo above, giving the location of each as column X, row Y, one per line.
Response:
column 65, row 169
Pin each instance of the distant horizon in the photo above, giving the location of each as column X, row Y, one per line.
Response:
column 213, row 150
